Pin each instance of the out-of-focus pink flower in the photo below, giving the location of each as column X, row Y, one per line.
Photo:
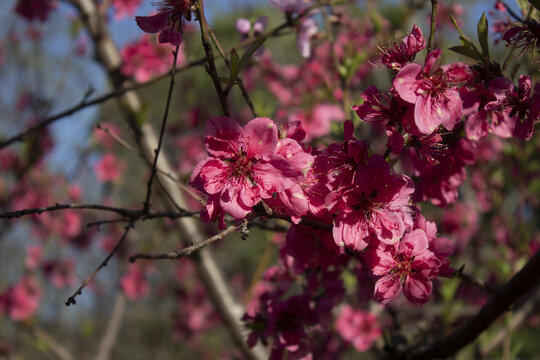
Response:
column 192, row 151
column 60, row 273
column 34, row 257
column 108, row 168
column 125, row 8
column 145, row 59
column 291, row 6
column 134, row 283
column 103, row 137
column 317, row 124
column 357, row 327
column 35, row 9
column 21, row 301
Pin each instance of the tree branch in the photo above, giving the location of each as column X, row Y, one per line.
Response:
column 146, row 205
column 71, row 299
column 431, row 41
column 113, row 327
column 519, row 285
column 131, row 214
column 178, row 254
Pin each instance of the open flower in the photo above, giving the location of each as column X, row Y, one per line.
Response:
column 242, row 168
column 432, row 91
column 406, row 266
column 168, row 21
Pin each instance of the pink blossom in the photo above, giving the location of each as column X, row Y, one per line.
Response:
column 168, row 21
column 125, row 8
column 518, row 104
column 408, row 265
column 108, row 168
column 398, row 55
column 242, row 168
column 358, row 327
column 433, row 93
column 370, row 208
column 134, row 283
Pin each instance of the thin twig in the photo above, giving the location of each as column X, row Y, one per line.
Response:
column 239, row 81
column 211, row 66
column 146, row 205
column 131, row 214
column 177, row 254
column 117, row 138
column 97, row 224
column 479, row 283
column 431, row 41
column 71, row 299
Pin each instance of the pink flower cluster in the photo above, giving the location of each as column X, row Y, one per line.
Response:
column 342, row 187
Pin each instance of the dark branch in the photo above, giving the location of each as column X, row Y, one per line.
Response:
column 519, row 285
column 177, row 254
column 131, row 214
column 146, row 205
column 71, row 299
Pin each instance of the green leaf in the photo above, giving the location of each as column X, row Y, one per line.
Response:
column 245, row 58
column 464, row 50
column 235, row 60
column 471, row 48
column 482, row 28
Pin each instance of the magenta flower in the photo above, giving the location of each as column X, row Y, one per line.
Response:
column 242, row 168
column 397, row 55
column 370, row 208
column 406, row 266
column 433, row 92
column 523, row 36
column 520, row 106
column 168, row 21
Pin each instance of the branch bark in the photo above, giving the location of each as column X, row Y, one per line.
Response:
column 519, row 285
